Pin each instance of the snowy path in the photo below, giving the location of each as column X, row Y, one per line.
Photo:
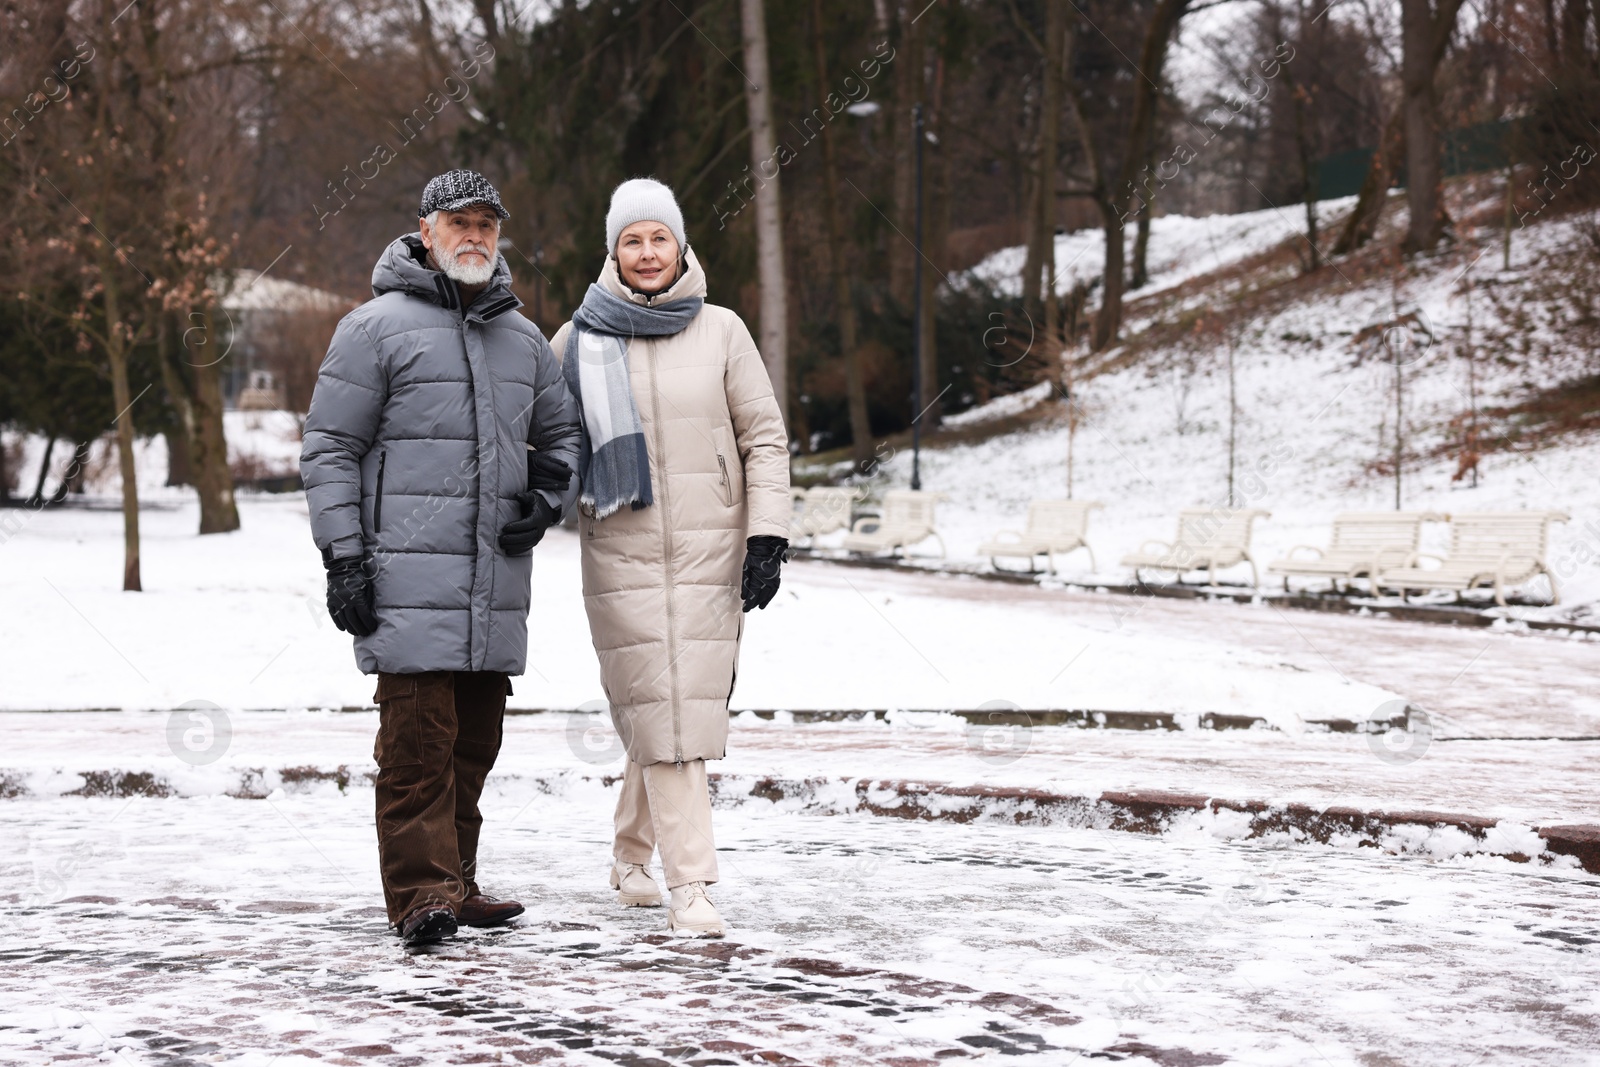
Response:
column 1473, row 683
column 1529, row 782
column 198, row 930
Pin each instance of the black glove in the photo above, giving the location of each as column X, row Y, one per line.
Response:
column 519, row 536
column 548, row 472
column 763, row 557
column 350, row 595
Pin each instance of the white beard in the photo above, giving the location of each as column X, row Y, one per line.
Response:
column 464, row 274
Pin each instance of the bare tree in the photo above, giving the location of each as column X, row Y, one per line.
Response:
column 774, row 339
column 1310, row 32
column 1038, row 271
column 1426, row 28
column 839, row 267
column 1114, row 168
column 1393, row 145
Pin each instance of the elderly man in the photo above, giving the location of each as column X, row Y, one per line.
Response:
column 438, row 450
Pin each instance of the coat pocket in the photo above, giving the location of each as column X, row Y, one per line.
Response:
column 727, row 482
column 399, row 741
column 730, row 471
column 377, row 497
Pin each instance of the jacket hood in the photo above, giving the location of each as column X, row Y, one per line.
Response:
column 691, row 283
column 403, row 267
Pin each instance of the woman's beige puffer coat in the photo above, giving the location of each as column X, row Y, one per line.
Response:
column 661, row 584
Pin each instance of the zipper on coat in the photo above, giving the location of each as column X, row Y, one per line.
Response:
column 727, row 483
column 377, row 497
column 666, row 549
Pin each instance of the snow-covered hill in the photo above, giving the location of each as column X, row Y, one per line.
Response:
column 1315, row 413
column 1181, row 248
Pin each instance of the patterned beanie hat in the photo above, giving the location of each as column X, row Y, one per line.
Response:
column 457, row 189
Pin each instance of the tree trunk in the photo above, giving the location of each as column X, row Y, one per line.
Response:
column 1108, row 320
column 1033, row 236
column 1424, row 174
column 208, row 450
column 910, row 83
column 37, row 498
column 72, row 481
column 1363, row 220
column 122, row 397
column 1140, row 275
column 180, row 467
column 1037, row 272
column 774, row 339
column 1574, row 35
column 799, row 419
column 486, row 16
column 1114, row 198
column 838, row 265
column 1055, row 38
column 1301, row 103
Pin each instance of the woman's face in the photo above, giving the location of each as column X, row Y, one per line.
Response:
column 647, row 256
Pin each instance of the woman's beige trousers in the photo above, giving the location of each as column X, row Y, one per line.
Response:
column 667, row 807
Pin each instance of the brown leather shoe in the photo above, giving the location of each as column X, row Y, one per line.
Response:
column 482, row 910
column 428, row 925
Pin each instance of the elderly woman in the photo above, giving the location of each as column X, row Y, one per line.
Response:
column 683, row 514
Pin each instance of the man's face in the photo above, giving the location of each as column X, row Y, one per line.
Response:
column 464, row 243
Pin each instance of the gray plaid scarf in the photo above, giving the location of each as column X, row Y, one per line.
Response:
column 614, row 465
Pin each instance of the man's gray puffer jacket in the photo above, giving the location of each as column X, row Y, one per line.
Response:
column 415, row 448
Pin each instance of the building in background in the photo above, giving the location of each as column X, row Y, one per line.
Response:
column 277, row 334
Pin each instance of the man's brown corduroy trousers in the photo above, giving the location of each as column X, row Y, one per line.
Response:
column 438, row 736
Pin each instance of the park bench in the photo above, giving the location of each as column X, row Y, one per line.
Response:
column 906, row 520
column 1053, row 526
column 1497, row 549
column 823, row 509
column 1208, row 539
column 1362, row 544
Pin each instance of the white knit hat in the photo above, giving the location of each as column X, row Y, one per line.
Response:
column 643, row 200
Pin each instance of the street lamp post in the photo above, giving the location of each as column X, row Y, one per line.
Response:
column 916, row 312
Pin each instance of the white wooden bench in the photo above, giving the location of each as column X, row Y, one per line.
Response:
column 1498, row 549
column 1208, row 539
column 823, row 509
column 1362, row 544
column 907, row 520
column 1053, row 526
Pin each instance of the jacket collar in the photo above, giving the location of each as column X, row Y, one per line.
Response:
column 403, row 267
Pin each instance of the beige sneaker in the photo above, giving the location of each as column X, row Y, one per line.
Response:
column 635, row 888
column 692, row 913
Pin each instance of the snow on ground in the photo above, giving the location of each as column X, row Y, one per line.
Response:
column 1181, row 247
column 267, row 443
column 1531, row 783
column 1312, row 422
column 239, row 620
column 246, row 931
